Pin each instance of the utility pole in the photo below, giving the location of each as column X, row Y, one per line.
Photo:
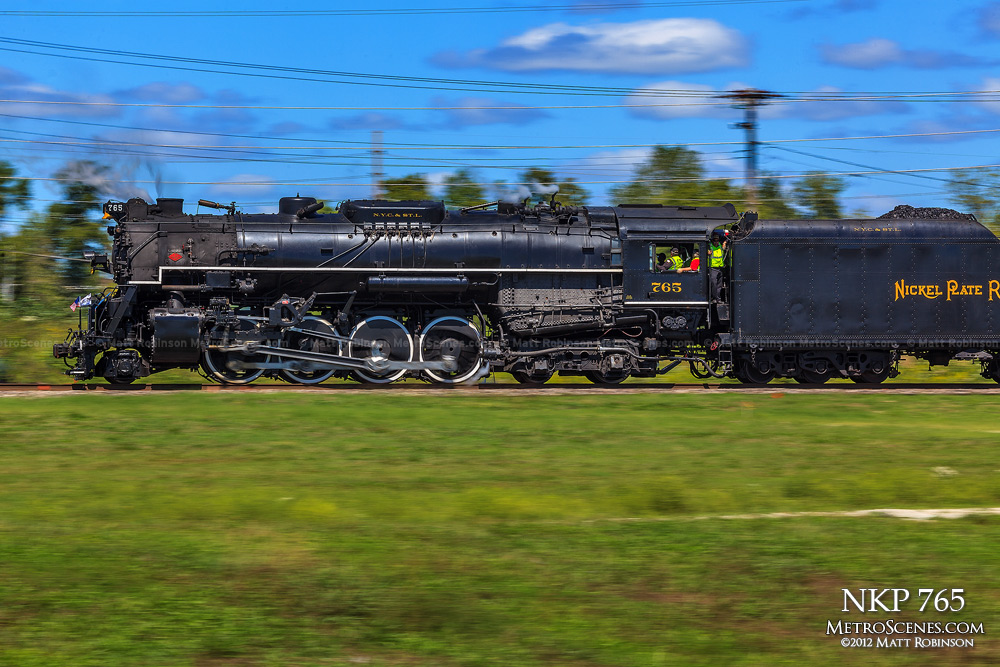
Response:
column 749, row 99
column 377, row 174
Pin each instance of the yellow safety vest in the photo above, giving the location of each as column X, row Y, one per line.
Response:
column 716, row 256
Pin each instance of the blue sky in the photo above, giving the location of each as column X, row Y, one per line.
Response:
column 247, row 107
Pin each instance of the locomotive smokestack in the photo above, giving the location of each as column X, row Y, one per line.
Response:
column 306, row 211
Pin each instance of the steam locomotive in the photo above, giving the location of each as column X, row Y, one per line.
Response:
column 380, row 291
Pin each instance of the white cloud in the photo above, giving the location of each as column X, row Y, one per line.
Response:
column 990, row 84
column 643, row 47
column 485, row 111
column 830, row 106
column 989, row 19
column 8, row 76
column 878, row 52
column 244, row 186
column 677, row 99
column 42, row 100
column 366, row 121
column 163, row 93
column 870, row 54
column 692, row 100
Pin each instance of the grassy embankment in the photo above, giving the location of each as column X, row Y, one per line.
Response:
column 181, row 529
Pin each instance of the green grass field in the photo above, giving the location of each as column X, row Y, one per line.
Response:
column 472, row 529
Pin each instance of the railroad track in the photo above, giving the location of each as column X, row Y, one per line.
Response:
column 551, row 387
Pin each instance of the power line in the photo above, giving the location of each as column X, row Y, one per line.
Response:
column 441, row 107
column 84, row 142
column 321, row 183
column 453, row 107
column 424, row 146
column 402, row 11
column 464, row 85
column 857, row 164
column 361, row 77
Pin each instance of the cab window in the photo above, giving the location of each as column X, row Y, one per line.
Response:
column 663, row 259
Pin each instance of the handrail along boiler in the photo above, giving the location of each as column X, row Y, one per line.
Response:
column 384, row 290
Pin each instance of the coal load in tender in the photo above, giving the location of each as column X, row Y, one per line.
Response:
column 905, row 212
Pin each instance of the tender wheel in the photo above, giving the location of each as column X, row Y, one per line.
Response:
column 992, row 371
column 609, row 378
column 383, row 339
column 532, row 377
column 453, row 339
column 871, row 377
column 812, row 377
column 216, row 363
column 297, row 340
column 749, row 373
column 877, row 373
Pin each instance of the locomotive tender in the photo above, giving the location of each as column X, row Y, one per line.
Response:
column 384, row 290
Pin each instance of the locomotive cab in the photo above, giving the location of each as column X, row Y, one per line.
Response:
column 660, row 272
column 670, row 274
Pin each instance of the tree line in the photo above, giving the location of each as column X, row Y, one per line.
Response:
column 34, row 276
column 671, row 175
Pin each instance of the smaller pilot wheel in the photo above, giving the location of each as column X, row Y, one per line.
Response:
column 299, row 340
column 609, row 378
column 748, row 372
column 114, row 379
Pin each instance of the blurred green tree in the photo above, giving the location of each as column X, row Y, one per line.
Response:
column 675, row 176
column 408, row 188
column 14, row 193
column 976, row 191
column 462, row 189
column 772, row 202
column 74, row 224
column 819, row 195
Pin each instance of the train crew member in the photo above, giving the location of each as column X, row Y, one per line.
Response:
column 661, row 263
column 695, row 263
column 676, row 263
column 716, row 262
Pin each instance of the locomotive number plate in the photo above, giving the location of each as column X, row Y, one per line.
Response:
column 667, row 287
column 115, row 209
